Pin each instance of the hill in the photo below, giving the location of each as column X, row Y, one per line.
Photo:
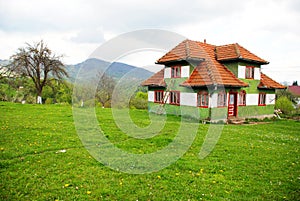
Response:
column 91, row 67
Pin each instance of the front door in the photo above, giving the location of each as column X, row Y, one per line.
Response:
column 232, row 104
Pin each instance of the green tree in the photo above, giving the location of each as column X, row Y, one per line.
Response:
column 285, row 93
column 39, row 63
column 284, row 104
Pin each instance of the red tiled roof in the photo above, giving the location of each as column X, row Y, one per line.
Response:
column 155, row 80
column 267, row 83
column 210, row 71
column 235, row 52
column 185, row 50
column 294, row 90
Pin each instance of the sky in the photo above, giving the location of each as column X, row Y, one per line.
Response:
column 75, row 28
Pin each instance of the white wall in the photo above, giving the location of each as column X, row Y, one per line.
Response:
column 270, row 99
column 188, row 99
column 151, row 96
column 213, row 100
column 251, row 99
column 167, row 73
column 257, row 73
column 241, row 71
column 185, row 71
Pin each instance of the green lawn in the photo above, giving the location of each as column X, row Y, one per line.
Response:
column 249, row 162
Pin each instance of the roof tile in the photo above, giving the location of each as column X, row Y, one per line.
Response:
column 267, row 83
column 236, row 51
column 155, row 80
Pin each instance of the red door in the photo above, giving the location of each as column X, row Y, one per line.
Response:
column 232, row 104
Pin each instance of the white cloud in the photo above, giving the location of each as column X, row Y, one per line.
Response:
column 268, row 28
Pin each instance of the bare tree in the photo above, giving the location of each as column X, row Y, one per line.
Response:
column 5, row 71
column 105, row 88
column 37, row 62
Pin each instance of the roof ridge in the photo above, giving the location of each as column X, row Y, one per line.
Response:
column 187, row 48
column 237, row 50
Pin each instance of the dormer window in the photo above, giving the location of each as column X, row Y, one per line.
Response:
column 249, row 73
column 175, row 71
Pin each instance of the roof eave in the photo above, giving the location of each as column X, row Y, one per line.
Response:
column 267, row 87
column 187, row 59
column 153, row 85
column 243, row 59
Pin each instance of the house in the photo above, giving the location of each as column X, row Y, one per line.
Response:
column 295, row 90
column 211, row 82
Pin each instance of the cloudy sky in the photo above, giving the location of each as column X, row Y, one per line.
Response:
column 75, row 28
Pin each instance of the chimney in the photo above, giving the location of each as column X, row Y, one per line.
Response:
column 205, row 41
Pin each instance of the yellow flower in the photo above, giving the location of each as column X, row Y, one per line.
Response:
column 88, row 192
column 66, row 185
column 159, row 177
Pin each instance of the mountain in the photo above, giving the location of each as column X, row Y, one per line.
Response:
column 91, row 67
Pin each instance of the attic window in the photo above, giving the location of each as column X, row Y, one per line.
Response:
column 249, row 73
column 175, row 71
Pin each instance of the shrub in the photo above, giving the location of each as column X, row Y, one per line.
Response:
column 140, row 101
column 30, row 99
column 284, row 104
column 49, row 101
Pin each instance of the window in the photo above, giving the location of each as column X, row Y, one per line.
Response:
column 249, row 72
column 262, row 99
column 242, row 98
column 175, row 71
column 202, row 99
column 158, row 96
column 174, row 97
column 222, row 97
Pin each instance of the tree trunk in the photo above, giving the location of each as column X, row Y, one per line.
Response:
column 39, row 98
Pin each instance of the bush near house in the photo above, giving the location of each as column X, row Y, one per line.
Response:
column 284, row 104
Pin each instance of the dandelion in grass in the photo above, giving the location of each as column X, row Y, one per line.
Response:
column 88, row 192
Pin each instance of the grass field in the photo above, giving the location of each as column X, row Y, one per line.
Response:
column 250, row 162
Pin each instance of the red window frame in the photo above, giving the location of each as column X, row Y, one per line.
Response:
column 158, row 96
column 249, row 72
column 222, row 99
column 174, row 97
column 242, row 98
column 202, row 99
column 175, row 71
column 262, row 99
